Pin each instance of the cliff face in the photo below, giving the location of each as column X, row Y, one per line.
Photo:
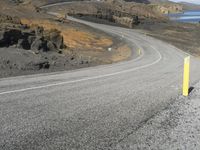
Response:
column 161, row 6
column 168, row 8
column 124, row 12
column 13, row 32
column 190, row 6
column 128, row 14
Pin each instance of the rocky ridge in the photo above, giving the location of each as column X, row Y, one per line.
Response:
column 28, row 49
column 13, row 33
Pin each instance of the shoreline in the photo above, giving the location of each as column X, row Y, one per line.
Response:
column 188, row 16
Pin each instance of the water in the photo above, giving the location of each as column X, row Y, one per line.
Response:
column 192, row 16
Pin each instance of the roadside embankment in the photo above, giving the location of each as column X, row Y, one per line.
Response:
column 177, row 127
column 32, row 41
column 184, row 36
column 146, row 17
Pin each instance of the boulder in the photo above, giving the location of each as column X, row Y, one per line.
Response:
column 23, row 44
column 42, row 65
column 31, row 39
column 39, row 31
column 56, row 39
column 37, row 44
column 136, row 20
column 51, row 46
column 2, row 38
column 9, row 19
column 24, row 37
column 10, row 37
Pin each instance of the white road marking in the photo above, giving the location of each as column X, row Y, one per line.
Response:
column 86, row 79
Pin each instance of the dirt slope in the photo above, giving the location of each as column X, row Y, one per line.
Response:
column 84, row 46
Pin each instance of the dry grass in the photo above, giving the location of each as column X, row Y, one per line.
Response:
column 122, row 53
column 73, row 38
column 183, row 36
column 85, row 43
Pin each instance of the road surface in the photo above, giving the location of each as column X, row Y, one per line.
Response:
column 91, row 108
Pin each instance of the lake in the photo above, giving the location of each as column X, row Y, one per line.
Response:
column 192, row 16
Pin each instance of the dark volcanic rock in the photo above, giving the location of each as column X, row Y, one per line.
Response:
column 56, row 39
column 23, row 44
column 31, row 39
column 1, row 38
column 42, row 65
column 9, row 19
column 9, row 37
column 51, row 46
column 13, row 33
column 115, row 16
column 39, row 44
column 39, row 31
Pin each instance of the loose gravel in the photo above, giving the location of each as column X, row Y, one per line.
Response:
column 175, row 128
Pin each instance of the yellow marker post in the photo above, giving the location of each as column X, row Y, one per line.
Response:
column 139, row 51
column 186, row 76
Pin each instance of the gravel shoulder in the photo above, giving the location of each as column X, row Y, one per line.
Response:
column 177, row 127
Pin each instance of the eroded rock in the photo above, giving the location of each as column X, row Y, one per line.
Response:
column 24, row 37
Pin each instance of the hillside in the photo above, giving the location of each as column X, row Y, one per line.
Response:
column 33, row 42
column 190, row 6
column 128, row 14
column 163, row 6
column 77, row 45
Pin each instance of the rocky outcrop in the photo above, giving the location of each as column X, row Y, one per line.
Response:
column 30, row 40
column 129, row 14
column 8, row 19
column 118, row 17
column 125, row 19
column 168, row 8
column 13, row 33
column 55, row 38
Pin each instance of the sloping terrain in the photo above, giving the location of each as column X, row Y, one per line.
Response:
column 176, row 127
column 92, row 108
column 119, row 12
column 124, row 13
column 85, row 46
column 82, row 46
column 190, row 6
column 149, row 16
column 184, row 36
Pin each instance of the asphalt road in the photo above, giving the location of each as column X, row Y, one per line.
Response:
column 91, row 108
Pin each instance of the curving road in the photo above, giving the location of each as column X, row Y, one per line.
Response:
column 91, row 108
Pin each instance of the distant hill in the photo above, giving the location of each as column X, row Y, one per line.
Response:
column 190, row 6
column 163, row 6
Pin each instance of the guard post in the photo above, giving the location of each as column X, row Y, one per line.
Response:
column 186, row 76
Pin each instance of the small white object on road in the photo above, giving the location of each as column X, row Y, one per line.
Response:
column 109, row 49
